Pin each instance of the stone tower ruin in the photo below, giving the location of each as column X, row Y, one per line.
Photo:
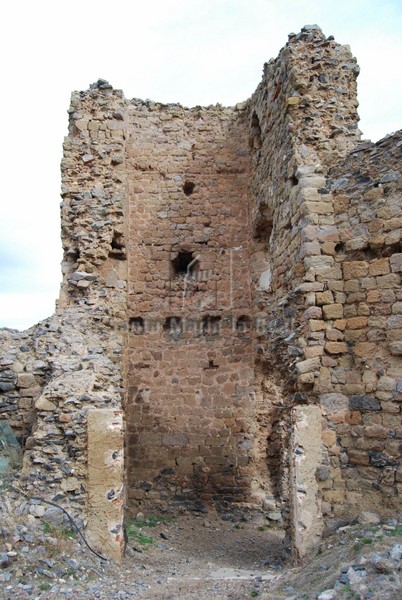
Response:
column 229, row 330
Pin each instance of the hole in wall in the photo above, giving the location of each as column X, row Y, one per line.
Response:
column 188, row 187
column 243, row 325
column 72, row 255
column 211, row 365
column 118, row 249
column 211, row 326
column 173, row 326
column 369, row 253
column 185, row 264
column 255, row 140
column 392, row 249
column 263, row 229
column 136, row 325
column 71, row 261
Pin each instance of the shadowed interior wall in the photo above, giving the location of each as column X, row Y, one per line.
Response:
column 190, row 406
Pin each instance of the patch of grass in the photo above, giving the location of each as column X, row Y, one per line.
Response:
column 66, row 533
column 397, row 532
column 44, row 586
column 351, row 595
column 254, row 594
column 151, row 521
column 60, row 532
column 375, row 529
column 361, row 543
column 135, row 534
column 47, row 528
column 134, row 528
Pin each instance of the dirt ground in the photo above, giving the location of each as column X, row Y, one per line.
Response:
column 208, row 558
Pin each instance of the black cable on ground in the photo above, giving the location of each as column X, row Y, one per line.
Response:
column 69, row 517
column 72, row 522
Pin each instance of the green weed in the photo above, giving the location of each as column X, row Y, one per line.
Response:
column 134, row 528
column 59, row 532
column 44, row 586
column 135, row 534
column 397, row 532
column 151, row 521
column 361, row 543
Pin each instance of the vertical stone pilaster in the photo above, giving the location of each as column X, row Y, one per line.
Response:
column 105, row 482
column 306, row 457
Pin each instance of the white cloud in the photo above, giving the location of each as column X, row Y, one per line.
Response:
column 188, row 51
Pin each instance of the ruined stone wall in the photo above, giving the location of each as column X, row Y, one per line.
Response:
column 190, row 397
column 361, row 386
column 73, row 360
column 234, row 275
column 302, row 119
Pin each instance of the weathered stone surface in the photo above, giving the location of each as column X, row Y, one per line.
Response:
column 333, row 311
column 380, row 459
column 364, row 403
column 396, row 263
column 396, row 348
column 106, row 481
column 311, row 364
column 355, row 269
column 369, row 518
column 358, row 457
column 43, row 403
column 334, row 403
column 336, row 347
column 305, row 460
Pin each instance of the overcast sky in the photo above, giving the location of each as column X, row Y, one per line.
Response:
column 187, row 51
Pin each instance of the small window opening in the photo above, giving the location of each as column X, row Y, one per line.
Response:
column 118, row 250
column 72, row 255
column 185, row 264
column 263, row 229
column 71, row 261
column 137, row 325
column 255, row 132
column 211, row 325
column 188, row 187
column 173, row 325
column 243, row 325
